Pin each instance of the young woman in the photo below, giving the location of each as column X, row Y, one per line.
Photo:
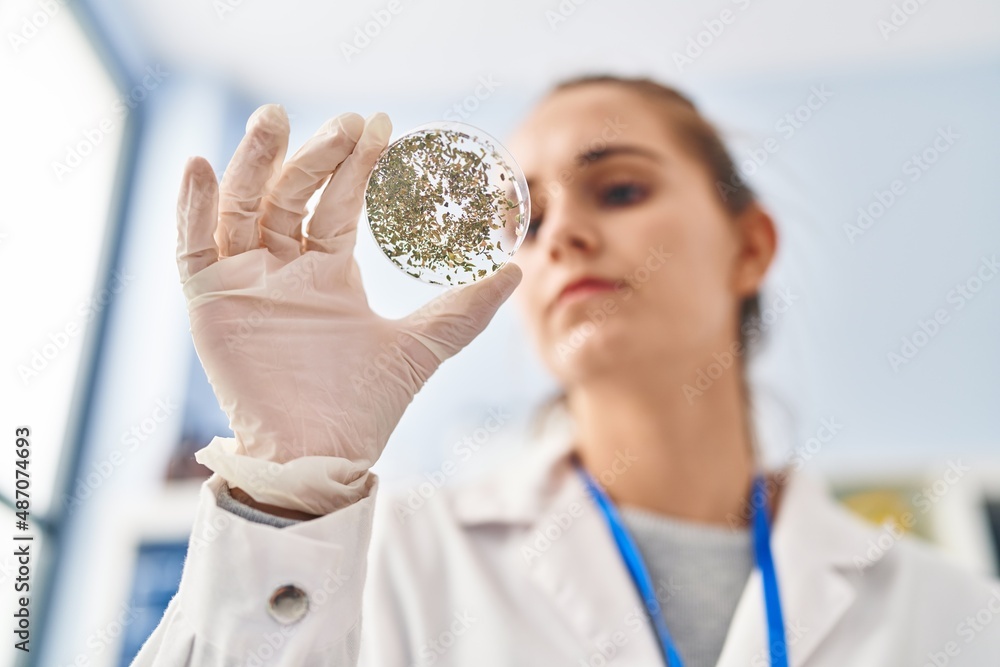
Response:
column 637, row 530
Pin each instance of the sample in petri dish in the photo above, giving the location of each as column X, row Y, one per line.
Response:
column 447, row 204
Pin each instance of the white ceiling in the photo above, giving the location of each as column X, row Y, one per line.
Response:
column 294, row 49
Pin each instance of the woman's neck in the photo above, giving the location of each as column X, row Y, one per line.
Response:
column 653, row 448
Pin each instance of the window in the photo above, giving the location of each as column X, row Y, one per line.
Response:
column 63, row 124
column 62, row 143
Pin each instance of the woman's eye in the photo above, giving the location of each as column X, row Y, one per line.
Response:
column 622, row 194
column 532, row 230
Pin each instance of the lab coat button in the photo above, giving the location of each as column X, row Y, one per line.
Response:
column 288, row 604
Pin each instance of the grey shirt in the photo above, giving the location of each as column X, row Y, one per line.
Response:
column 698, row 571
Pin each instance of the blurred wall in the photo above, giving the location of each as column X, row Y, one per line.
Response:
column 874, row 148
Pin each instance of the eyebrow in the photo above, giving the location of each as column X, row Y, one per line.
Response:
column 589, row 157
column 592, row 156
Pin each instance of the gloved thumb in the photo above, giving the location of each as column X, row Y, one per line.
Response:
column 449, row 322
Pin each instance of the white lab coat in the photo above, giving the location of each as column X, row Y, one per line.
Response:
column 520, row 570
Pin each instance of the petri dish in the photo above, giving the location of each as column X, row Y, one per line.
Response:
column 447, row 204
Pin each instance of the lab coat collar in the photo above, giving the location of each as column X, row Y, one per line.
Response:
column 820, row 551
column 521, row 488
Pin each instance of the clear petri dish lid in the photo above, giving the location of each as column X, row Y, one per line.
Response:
column 447, row 204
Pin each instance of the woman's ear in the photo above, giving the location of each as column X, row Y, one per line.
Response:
column 758, row 242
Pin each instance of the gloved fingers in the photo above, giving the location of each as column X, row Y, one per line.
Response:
column 284, row 207
column 339, row 207
column 197, row 216
column 251, row 172
column 450, row 322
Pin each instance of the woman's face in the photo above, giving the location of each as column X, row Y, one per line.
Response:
column 631, row 260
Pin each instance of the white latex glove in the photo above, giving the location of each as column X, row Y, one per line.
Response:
column 313, row 381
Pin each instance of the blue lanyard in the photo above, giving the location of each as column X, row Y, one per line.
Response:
column 640, row 575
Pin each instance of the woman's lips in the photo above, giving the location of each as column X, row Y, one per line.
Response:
column 582, row 289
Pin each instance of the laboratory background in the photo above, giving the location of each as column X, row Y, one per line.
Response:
column 869, row 128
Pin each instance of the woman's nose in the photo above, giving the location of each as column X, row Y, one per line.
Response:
column 568, row 228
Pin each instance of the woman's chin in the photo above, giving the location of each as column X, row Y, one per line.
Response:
column 586, row 349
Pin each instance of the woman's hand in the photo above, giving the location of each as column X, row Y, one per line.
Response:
column 280, row 321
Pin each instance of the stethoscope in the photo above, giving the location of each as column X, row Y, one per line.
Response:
column 643, row 582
